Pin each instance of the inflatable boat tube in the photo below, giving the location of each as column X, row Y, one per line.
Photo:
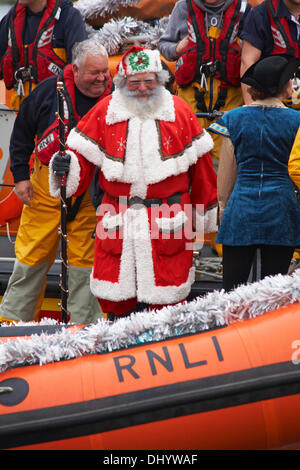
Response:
column 233, row 387
column 10, row 208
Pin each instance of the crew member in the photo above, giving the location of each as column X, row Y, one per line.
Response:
column 36, row 40
column 203, row 37
column 86, row 82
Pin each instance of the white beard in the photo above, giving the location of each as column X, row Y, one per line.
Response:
column 142, row 107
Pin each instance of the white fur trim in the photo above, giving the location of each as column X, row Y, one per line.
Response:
column 142, row 144
column 86, row 147
column 171, row 224
column 137, row 258
column 112, row 222
column 210, row 220
column 119, row 112
column 73, row 177
column 154, row 62
column 205, row 223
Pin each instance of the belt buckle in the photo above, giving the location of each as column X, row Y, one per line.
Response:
column 136, row 202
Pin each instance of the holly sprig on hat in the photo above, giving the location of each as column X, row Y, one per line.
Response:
column 139, row 61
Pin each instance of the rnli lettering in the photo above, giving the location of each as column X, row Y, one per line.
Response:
column 126, row 364
column 54, row 69
column 45, row 142
column 166, row 361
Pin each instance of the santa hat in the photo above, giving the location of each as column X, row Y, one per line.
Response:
column 138, row 59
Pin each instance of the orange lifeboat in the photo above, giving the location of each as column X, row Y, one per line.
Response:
column 233, row 386
column 10, row 205
column 10, row 208
column 145, row 10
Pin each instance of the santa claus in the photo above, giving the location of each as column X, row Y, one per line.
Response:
column 157, row 175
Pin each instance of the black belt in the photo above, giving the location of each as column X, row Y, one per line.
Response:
column 174, row 199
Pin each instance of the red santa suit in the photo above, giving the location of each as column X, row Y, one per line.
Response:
column 143, row 251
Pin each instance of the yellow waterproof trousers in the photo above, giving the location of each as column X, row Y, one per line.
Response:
column 36, row 248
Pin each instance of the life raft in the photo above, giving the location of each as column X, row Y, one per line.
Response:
column 124, row 386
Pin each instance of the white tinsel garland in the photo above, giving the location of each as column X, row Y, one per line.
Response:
column 115, row 33
column 215, row 309
column 92, row 8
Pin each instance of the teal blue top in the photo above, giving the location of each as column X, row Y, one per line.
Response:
column 262, row 208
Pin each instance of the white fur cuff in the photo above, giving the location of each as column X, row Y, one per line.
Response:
column 73, row 177
column 205, row 223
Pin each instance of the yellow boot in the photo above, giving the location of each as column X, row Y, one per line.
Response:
column 216, row 247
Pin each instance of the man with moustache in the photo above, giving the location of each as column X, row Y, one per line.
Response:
column 36, row 40
column 86, row 81
column 154, row 167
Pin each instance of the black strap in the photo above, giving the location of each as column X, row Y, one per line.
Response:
column 73, row 209
column 220, row 102
column 200, row 43
column 199, row 95
column 14, row 45
column 173, row 199
column 72, row 120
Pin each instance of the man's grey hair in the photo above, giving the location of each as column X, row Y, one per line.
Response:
column 162, row 78
column 88, row 46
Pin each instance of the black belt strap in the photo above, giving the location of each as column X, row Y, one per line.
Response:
column 220, row 102
column 73, row 209
column 173, row 199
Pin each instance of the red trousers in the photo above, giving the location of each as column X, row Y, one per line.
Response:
column 120, row 308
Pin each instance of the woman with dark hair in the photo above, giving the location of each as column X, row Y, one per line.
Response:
column 257, row 203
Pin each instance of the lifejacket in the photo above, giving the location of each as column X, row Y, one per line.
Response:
column 36, row 61
column 283, row 43
column 48, row 143
column 219, row 56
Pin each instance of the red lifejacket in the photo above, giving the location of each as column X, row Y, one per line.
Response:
column 283, row 43
column 48, row 143
column 35, row 61
column 224, row 51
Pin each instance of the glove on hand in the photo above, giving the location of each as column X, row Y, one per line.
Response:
column 61, row 164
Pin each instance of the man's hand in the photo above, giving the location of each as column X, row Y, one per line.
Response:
column 182, row 45
column 61, row 164
column 24, row 191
